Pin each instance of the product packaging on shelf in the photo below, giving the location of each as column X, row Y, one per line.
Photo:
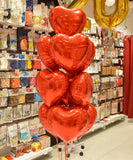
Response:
column 45, row 141
column 29, row 13
column 3, row 136
column 37, row 15
column 17, row 112
column 44, row 18
column 23, row 132
column 12, row 135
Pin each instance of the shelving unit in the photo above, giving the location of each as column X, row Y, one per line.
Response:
column 106, row 122
column 32, row 155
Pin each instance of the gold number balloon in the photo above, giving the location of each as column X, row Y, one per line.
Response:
column 87, row 25
column 73, row 3
column 110, row 20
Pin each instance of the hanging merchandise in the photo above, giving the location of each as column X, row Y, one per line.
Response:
column 15, row 79
column 4, row 63
column 110, row 20
column 17, row 112
column 8, row 115
column 13, row 39
column 30, row 42
column 16, row 12
column 34, row 109
column 7, row 12
column 5, row 80
column 3, row 135
column 24, row 133
column 36, row 38
column 30, row 95
column 36, row 63
column 12, row 135
column 3, row 98
column 44, row 18
column 1, row 10
column 3, row 38
column 29, row 13
column 37, row 15
column 22, row 39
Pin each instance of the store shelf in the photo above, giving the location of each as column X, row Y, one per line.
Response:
column 105, row 122
column 119, row 46
column 33, row 155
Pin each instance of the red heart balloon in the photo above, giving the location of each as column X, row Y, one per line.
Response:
column 81, row 89
column 89, row 58
column 43, row 50
column 70, row 52
column 92, row 114
column 51, row 86
column 67, row 122
column 67, row 21
column 43, row 113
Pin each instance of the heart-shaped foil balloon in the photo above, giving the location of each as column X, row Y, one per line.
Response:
column 67, row 122
column 71, row 52
column 81, row 89
column 51, row 86
column 92, row 115
column 67, row 21
column 43, row 113
column 43, row 50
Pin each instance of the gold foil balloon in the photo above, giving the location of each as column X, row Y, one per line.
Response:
column 110, row 20
column 87, row 25
column 73, row 3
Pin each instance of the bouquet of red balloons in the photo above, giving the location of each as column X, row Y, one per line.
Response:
column 66, row 112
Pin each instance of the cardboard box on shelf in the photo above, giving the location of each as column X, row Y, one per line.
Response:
column 45, row 141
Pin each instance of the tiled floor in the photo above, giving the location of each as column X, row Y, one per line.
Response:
column 114, row 143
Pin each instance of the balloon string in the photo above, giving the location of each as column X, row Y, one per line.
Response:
column 59, row 157
column 66, row 151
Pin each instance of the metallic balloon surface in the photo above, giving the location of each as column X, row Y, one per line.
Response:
column 70, row 52
column 67, row 122
column 92, row 115
column 81, row 88
column 51, row 86
column 43, row 50
column 87, row 25
column 67, row 21
column 89, row 58
column 73, row 3
column 43, row 113
column 110, row 20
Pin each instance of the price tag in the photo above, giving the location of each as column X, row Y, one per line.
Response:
column 23, row 53
column 5, row 26
column 16, row 70
column 4, row 51
column 40, row 32
column 14, row 27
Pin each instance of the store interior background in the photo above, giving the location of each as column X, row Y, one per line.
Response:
column 111, row 136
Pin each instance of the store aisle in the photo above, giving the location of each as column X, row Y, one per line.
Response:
column 114, row 143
